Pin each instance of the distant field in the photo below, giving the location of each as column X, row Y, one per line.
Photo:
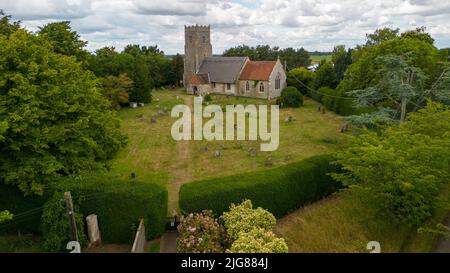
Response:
column 318, row 58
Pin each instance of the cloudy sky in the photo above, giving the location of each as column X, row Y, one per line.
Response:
column 312, row 24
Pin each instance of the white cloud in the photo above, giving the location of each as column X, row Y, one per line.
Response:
column 315, row 25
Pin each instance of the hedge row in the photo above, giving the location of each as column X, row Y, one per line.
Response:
column 279, row 190
column 119, row 205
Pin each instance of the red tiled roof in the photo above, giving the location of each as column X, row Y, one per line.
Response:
column 257, row 70
column 199, row 79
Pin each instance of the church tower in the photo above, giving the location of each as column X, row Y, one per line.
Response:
column 197, row 46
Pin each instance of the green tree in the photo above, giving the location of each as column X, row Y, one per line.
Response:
column 301, row 78
column 57, row 120
column 177, row 69
column 400, row 85
column 64, row 40
column 117, row 89
column 325, row 75
column 6, row 26
column 400, row 170
column 341, row 59
column 381, row 35
column 141, row 79
column 418, row 34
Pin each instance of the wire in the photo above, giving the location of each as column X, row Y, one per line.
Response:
column 318, row 92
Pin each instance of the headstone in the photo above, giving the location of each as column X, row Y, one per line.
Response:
column 205, row 149
column 269, row 162
column 153, row 120
column 178, row 97
column 217, row 153
column 252, row 152
column 140, row 104
column 93, row 231
column 133, row 104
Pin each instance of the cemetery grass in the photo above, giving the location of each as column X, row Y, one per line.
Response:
column 156, row 158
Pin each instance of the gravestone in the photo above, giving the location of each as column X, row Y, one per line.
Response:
column 93, row 231
column 153, row 120
column 217, row 153
column 269, row 161
column 133, row 104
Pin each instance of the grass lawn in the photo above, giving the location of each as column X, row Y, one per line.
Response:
column 155, row 157
column 340, row 223
column 318, row 58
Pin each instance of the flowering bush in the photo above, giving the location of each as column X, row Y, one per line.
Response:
column 201, row 233
column 258, row 240
column 243, row 218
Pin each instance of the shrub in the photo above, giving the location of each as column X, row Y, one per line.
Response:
column 243, row 218
column 55, row 225
column 279, row 190
column 291, row 97
column 119, row 205
column 207, row 98
column 258, row 240
column 201, row 233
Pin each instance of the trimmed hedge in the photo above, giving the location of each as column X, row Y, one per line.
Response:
column 279, row 190
column 119, row 205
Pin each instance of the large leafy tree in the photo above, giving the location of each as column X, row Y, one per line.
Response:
column 341, row 59
column 381, row 35
column 7, row 26
column 293, row 57
column 325, row 76
column 117, row 89
column 57, row 121
column 400, row 170
column 64, row 40
column 301, row 78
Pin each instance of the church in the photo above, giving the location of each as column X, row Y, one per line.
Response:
column 237, row 76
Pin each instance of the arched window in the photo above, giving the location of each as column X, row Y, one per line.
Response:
column 261, row 87
column 278, row 82
column 247, row 86
column 204, row 39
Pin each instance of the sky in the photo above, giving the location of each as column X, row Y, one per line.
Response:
column 314, row 25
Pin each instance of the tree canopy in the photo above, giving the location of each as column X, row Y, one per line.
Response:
column 54, row 119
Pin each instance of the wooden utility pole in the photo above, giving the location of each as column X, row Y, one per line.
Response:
column 70, row 213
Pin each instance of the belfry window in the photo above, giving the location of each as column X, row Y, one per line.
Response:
column 261, row 87
column 204, row 39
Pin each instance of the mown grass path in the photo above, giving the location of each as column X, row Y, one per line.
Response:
column 181, row 168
